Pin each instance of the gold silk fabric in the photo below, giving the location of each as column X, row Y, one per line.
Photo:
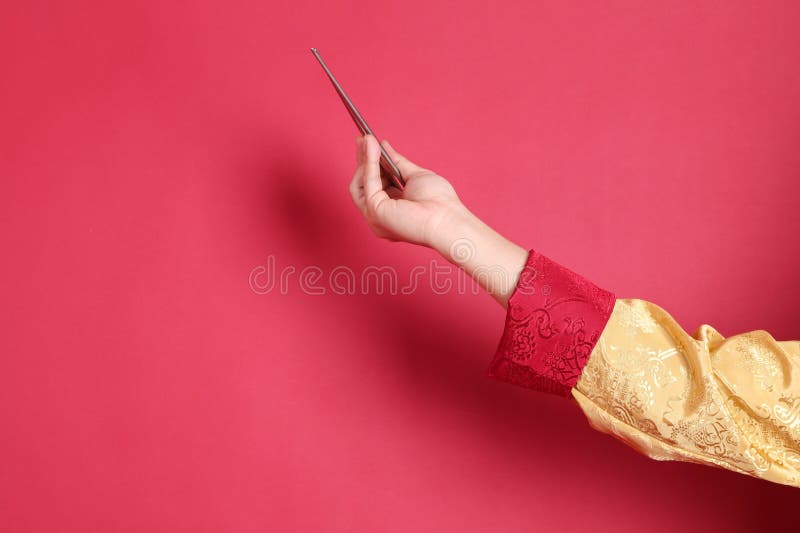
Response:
column 729, row 402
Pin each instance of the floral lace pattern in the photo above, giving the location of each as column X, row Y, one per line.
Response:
column 555, row 317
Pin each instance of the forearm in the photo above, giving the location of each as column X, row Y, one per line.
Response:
column 490, row 259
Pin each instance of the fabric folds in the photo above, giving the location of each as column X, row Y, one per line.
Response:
column 729, row 402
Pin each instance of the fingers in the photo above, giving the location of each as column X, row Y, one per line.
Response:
column 386, row 179
column 357, row 182
column 407, row 168
column 359, row 149
column 357, row 192
column 374, row 193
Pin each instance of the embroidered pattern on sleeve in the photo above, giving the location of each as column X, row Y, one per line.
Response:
column 554, row 319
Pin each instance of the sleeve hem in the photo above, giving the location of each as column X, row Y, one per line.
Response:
column 554, row 319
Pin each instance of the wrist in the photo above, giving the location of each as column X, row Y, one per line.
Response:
column 455, row 222
column 489, row 258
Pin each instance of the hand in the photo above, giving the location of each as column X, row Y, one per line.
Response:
column 428, row 212
column 416, row 214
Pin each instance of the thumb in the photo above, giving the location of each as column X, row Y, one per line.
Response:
column 374, row 193
column 407, row 168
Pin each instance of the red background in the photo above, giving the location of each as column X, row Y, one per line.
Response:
column 153, row 154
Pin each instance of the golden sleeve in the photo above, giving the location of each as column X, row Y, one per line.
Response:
column 729, row 402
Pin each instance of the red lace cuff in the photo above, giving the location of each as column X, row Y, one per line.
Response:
column 554, row 319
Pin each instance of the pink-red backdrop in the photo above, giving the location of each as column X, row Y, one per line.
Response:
column 154, row 154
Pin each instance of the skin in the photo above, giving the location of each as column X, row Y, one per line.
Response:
column 429, row 213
